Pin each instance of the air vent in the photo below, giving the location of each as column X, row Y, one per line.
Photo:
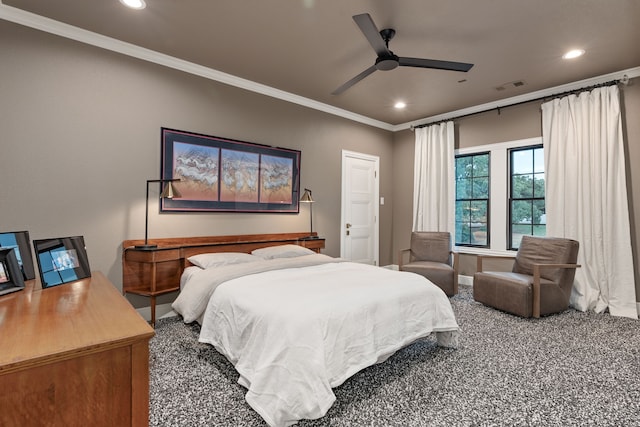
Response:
column 514, row 84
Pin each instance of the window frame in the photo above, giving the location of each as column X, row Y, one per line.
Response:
column 471, row 200
column 510, row 192
column 498, row 194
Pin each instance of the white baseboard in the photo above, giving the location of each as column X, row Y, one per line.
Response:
column 465, row 280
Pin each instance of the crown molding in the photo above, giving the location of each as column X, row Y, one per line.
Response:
column 28, row 19
column 618, row 75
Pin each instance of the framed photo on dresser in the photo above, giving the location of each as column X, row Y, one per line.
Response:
column 11, row 279
column 61, row 260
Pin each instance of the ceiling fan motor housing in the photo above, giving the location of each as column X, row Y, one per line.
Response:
column 386, row 63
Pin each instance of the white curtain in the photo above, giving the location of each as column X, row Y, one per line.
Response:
column 586, row 196
column 433, row 179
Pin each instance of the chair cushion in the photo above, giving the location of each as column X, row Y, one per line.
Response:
column 547, row 250
column 431, row 246
column 440, row 274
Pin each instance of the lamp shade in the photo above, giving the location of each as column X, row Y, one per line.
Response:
column 306, row 196
column 170, row 192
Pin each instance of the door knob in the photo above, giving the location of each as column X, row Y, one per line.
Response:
column 348, row 225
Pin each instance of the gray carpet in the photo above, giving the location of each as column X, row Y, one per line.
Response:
column 571, row 369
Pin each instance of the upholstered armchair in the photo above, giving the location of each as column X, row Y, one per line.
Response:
column 540, row 282
column 430, row 255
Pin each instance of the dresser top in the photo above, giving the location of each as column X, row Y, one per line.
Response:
column 87, row 316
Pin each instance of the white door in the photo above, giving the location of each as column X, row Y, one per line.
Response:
column 360, row 189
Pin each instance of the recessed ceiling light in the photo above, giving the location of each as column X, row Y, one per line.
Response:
column 400, row 105
column 134, row 4
column 573, row 54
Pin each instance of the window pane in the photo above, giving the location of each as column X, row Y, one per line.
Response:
column 522, row 161
column 517, row 232
column 464, row 167
column 481, row 165
column 479, row 236
column 515, row 240
column 463, row 188
column 539, row 216
column 540, row 230
column 463, row 211
column 538, row 160
column 538, row 185
column 522, row 186
column 480, row 188
column 521, row 211
column 479, row 211
column 463, row 235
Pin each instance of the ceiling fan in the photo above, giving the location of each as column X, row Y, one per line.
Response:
column 386, row 59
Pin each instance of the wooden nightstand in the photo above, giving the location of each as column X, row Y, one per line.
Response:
column 152, row 272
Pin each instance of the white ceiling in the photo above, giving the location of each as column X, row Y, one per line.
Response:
column 307, row 48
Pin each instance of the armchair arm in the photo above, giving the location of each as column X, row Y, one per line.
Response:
column 536, row 283
column 400, row 256
column 479, row 259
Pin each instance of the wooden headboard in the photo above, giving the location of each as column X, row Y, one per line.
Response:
column 152, row 272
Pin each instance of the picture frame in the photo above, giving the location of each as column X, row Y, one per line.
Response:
column 226, row 175
column 11, row 278
column 61, row 260
column 21, row 243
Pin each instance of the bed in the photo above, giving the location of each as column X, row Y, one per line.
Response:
column 295, row 323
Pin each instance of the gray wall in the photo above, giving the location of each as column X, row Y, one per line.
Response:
column 80, row 135
column 513, row 123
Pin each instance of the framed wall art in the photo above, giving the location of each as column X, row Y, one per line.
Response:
column 219, row 174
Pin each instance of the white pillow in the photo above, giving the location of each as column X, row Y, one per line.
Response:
column 282, row 251
column 221, row 258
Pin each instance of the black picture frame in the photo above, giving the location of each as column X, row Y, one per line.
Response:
column 21, row 243
column 61, row 260
column 11, row 279
column 226, row 175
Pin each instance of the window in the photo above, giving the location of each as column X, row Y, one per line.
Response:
column 526, row 194
column 472, row 200
column 499, row 195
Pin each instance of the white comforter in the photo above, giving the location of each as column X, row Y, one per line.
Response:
column 294, row 333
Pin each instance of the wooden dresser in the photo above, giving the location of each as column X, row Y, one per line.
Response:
column 73, row 355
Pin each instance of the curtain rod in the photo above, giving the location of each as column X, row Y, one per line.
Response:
column 624, row 80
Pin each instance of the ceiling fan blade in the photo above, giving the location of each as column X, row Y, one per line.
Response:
column 372, row 34
column 354, row 80
column 434, row 63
